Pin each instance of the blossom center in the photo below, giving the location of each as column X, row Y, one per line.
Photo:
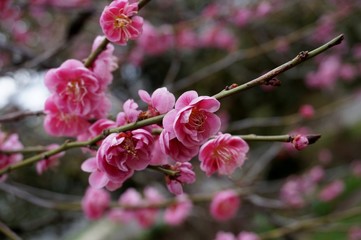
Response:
column 128, row 143
column 122, row 21
column 197, row 119
column 76, row 89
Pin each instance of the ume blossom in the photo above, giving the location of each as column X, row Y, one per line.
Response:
column 120, row 23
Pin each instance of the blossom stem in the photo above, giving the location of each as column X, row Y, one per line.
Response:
column 300, row 58
column 163, row 170
column 38, row 149
column 274, row 138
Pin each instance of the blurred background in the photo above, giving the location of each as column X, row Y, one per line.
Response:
column 203, row 46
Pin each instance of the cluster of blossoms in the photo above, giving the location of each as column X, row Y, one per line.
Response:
column 298, row 190
column 134, row 207
column 78, row 93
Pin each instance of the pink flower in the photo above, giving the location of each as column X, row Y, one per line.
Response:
column 185, row 175
column 130, row 113
column 58, row 123
column 247, row 236
column 120, row 154
column 223, row 154
column 331, row 191
column 49, row 162
column 170, row 145
column 119, row 23
column 225, row 236
column 145, row 216
column 104, row 64
column 161, row 101
column 224, row 205
column 218, row 36
column 354, row 233
column 307, row 111
column 194, row 121
column 99, row 179
column 292, row 192
column 300, row 142
column 95, row 202
column 76, row 90
column 10, row 143
column 177, row 212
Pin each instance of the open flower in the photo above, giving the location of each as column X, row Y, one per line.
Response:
column 122, row 153
column 161, row 101
column 120, row 23
column 223, row 154
column 95, row 202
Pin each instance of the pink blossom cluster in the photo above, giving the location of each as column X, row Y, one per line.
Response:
column 78, row 94
column 144, row 210
column 297, row 189
column 9, row 143
column 244, row 235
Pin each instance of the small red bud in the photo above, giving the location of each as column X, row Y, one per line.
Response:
column 300, row 142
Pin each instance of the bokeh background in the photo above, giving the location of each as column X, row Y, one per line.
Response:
column 203, row 46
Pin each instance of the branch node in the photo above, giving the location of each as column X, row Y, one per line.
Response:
column 303, row 55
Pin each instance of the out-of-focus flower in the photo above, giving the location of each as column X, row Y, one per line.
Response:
column 10, row 143
column 331, row 191
column 105, row 63
column 247, row 236
column 120, row 23
column 223, row 154
column 354, row 233
column 95, row 202
column 177, row 212
column 224, row 205
column 185, row 175
column 307, row 111
column 49, row 162
column 225, row 236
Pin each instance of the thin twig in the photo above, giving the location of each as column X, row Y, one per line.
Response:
column 16, row 116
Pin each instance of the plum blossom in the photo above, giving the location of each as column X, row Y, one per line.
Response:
column 224, row 205
column 76, row 90
column 130, row 113
column 120, row 23
column 177, row 212
column 105, row 63
column 331, row 191
column 122, row 153
column 99, row 179
column 95, row 202
column 9, row 143
column 223, row 154
column 49, row 162
column 193, row 120
column 59, row 123
column 169, row 143
column 161, row 101
column 185, row 175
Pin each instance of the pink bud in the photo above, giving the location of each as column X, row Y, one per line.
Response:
column 300, row 142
